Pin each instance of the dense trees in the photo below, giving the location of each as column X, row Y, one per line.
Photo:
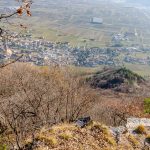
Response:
column 33, row 97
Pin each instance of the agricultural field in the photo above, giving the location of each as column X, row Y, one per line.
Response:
column 71, row 22
column 56, row 22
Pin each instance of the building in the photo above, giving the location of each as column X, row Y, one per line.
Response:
column 96, row 20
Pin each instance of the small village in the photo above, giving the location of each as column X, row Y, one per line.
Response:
column 42, row 52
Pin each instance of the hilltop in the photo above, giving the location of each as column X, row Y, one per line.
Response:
column 121, row 79
column 95, row 136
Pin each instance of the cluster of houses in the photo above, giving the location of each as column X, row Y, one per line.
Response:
column 137, row 60
column 42, row 52
column 123, row 36
column 130, row 55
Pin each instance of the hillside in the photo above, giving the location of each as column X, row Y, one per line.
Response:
column 117, row 79
column 64, row 82
column 95, row 136
column 34, row 98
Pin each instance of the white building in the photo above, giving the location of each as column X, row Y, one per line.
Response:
column 97, row 20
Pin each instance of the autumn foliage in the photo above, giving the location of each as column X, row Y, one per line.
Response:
column 32, row 97
column 24, row 8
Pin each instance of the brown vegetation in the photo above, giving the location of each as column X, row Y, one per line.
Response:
column 95, row 136
column 68, row 136
column 32, row 97
column 114, row 108
column 140, row 129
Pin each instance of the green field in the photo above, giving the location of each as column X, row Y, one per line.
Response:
column 69, row 21
column 57, row 21
column 143, row 70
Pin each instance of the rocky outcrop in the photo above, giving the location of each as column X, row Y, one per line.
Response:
column 94, row 136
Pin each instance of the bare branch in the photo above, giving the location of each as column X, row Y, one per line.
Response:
column 4, row 65
column 2, row 16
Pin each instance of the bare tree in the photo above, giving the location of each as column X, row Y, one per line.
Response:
column 114, row 111
column 33, row 97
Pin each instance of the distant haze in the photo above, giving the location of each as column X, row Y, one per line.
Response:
column 139, row 2
column 143, row 2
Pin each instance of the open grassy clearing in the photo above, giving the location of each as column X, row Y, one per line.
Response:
column 143, row 70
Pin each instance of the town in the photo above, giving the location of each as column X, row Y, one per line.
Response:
column 42, row 52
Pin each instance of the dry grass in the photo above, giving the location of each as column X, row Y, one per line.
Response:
column 133, row 140
column 104, row 129
column 110, row 140
column 63, row 127
column 49, row 141
column 66, row 135
column 95, row 136
column 28, row 141
column 41, row 148
column 140, row 129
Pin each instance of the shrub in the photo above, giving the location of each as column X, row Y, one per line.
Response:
column 133, row 140
column 101, row 128
column 140, row 130
column 110, row 140
column 3, row 147
column 147, row 105
column 66, row 136
column 51, row 141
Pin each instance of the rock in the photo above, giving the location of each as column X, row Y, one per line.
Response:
column 82, row 122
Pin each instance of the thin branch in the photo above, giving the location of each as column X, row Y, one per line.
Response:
column 4, row 65
column 7, row 16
